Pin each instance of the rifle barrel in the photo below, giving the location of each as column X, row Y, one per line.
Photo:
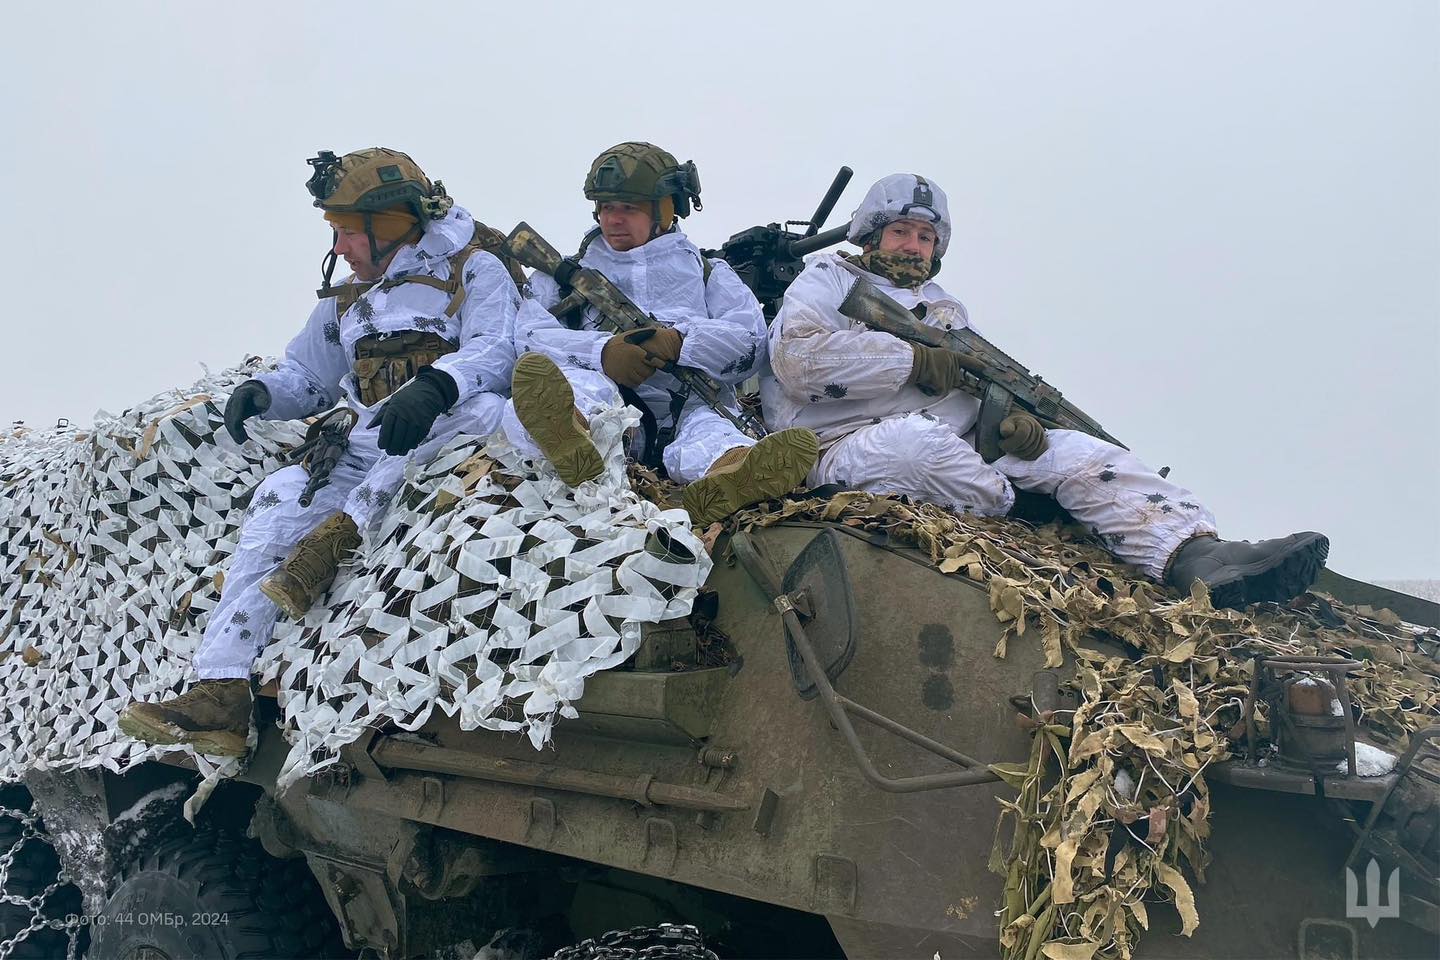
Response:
column 819, row 241
column 827, row 203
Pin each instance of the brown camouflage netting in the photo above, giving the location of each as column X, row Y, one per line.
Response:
column 1054, row 585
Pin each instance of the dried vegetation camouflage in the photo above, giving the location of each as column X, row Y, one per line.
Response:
column 1150, row 723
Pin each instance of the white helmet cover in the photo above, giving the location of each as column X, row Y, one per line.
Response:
column 902, row 196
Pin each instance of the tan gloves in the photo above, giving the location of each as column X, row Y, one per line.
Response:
column 1021, row 435
column 937, row 371
column 665, row 344
column 632, row 358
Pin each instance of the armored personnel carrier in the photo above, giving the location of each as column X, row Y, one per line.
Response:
column 881, row 731
column 805, row 769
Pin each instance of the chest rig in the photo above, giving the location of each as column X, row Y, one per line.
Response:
column 383, row 364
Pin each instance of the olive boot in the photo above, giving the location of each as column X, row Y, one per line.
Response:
column 1238, row 572
column 312, row 565
column 745, row 475
column 213, row 716
column 545, row 404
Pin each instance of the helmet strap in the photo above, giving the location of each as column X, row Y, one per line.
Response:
column 327, row 266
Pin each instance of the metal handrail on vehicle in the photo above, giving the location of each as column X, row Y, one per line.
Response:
column 840, row 707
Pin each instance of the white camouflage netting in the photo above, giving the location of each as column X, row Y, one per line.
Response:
column 489, row 590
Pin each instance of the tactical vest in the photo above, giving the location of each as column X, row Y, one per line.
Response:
column 383, row 365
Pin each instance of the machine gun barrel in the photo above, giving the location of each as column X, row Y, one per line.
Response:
column 1003, row 381
column 819, row 241
column 620, row 314
column 827, row 203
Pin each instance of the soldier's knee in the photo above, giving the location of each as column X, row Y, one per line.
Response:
column 1072, row 445
column 280, row 489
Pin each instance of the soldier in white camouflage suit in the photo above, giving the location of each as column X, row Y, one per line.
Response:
column 419, row 344
column 705, row 318
column 890, row 420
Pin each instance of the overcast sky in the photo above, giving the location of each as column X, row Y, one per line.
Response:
column 1215, row 226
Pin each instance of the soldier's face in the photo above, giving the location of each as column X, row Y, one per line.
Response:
column 354, row 248
column 625, row 226
column 914, row 237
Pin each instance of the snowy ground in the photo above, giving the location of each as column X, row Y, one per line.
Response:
column 1424, row 589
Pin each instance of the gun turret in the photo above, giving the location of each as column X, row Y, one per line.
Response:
column 768, row 258
column 1000, row 382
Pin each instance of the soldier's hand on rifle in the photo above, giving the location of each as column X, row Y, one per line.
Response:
column 250, row 399
column 1021, row 435
column 626, row 360
column 408, row 415
column 665, row 343
column 937, row 371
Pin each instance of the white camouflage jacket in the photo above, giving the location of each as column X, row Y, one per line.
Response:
column 721, row 320
column 835, row 375
column 316, row 369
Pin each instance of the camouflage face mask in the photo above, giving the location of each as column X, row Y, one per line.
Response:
column 901, row 269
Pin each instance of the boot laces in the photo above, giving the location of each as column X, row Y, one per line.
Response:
column 317, row 555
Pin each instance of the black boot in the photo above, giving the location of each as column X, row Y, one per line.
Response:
column 1239, row 572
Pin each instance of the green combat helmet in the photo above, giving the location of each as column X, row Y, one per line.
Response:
column 641, row 172
column 369, row 181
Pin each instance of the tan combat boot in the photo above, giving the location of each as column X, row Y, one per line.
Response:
column 312, row 565
column 545, row 404
column 745, row 475
column 213, row 716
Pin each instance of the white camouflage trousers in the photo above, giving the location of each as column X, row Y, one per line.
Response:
column 362, row 485
column 1139, row 515
column 700, row 438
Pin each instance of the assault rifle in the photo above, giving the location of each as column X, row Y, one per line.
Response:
column 768, row 258
column 1000, row 382
column 324, row 444
column 620, row 314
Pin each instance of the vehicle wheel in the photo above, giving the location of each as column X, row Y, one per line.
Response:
column 32, row 868
column 215, row 894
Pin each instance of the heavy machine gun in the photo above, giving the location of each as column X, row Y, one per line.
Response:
column 768, row 258
column 1000, row 382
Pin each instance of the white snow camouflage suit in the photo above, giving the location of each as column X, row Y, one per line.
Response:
column 723, row 327
column 316, row 373
column 879, row 433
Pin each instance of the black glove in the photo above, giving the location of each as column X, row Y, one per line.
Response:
column 250, row 399
column 408, row 415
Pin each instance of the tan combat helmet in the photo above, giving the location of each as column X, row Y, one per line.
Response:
column 367, row 182
column 641, row 172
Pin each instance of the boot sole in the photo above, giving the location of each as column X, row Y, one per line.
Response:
column 545, row 404
column 216, row 743
column 276, row 592
column 774, row 466
column 1275, row 579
